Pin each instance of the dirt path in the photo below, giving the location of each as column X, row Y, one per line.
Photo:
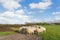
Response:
column 20, row 37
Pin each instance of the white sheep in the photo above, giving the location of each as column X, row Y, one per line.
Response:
column 31, row 29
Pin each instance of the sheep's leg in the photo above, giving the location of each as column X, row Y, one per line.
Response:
column 36, row 32
column 32, row 33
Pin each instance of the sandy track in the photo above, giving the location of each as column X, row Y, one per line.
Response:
column 20, row 37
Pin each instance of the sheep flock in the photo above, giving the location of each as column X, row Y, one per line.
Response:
column 35, row 29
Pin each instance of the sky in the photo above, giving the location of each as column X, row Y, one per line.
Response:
column 22, row 11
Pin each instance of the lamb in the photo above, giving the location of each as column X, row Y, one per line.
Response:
column 29, row 30
column 32, row 30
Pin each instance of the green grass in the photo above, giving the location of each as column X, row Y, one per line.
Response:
column 52, row 33
column 12, row 31
column 6, row 33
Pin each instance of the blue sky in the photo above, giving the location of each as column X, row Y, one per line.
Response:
column 21, row 11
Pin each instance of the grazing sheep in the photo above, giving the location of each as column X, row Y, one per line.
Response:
column 22, row 29
column 32, row 30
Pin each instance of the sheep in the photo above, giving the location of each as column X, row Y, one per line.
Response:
column 32, row 30
column 22, row 29
column 39, row 29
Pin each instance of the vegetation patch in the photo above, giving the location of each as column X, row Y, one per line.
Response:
column 52, row 33
column 6, row 33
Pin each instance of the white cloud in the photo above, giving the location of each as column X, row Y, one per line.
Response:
column 19, row 0
column 46, row 0
column 56, row 13
column 41, row 5
column 56, row 16
column 57, row 19
column 8, row 13
column 48, row 19
column 11, row 17
column 35, row 20
column 4, row 20
column 20, row 11
column 10, row 4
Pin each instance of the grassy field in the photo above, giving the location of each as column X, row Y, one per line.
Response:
column 5, row 30
column 6, row 33
column 52, row 33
